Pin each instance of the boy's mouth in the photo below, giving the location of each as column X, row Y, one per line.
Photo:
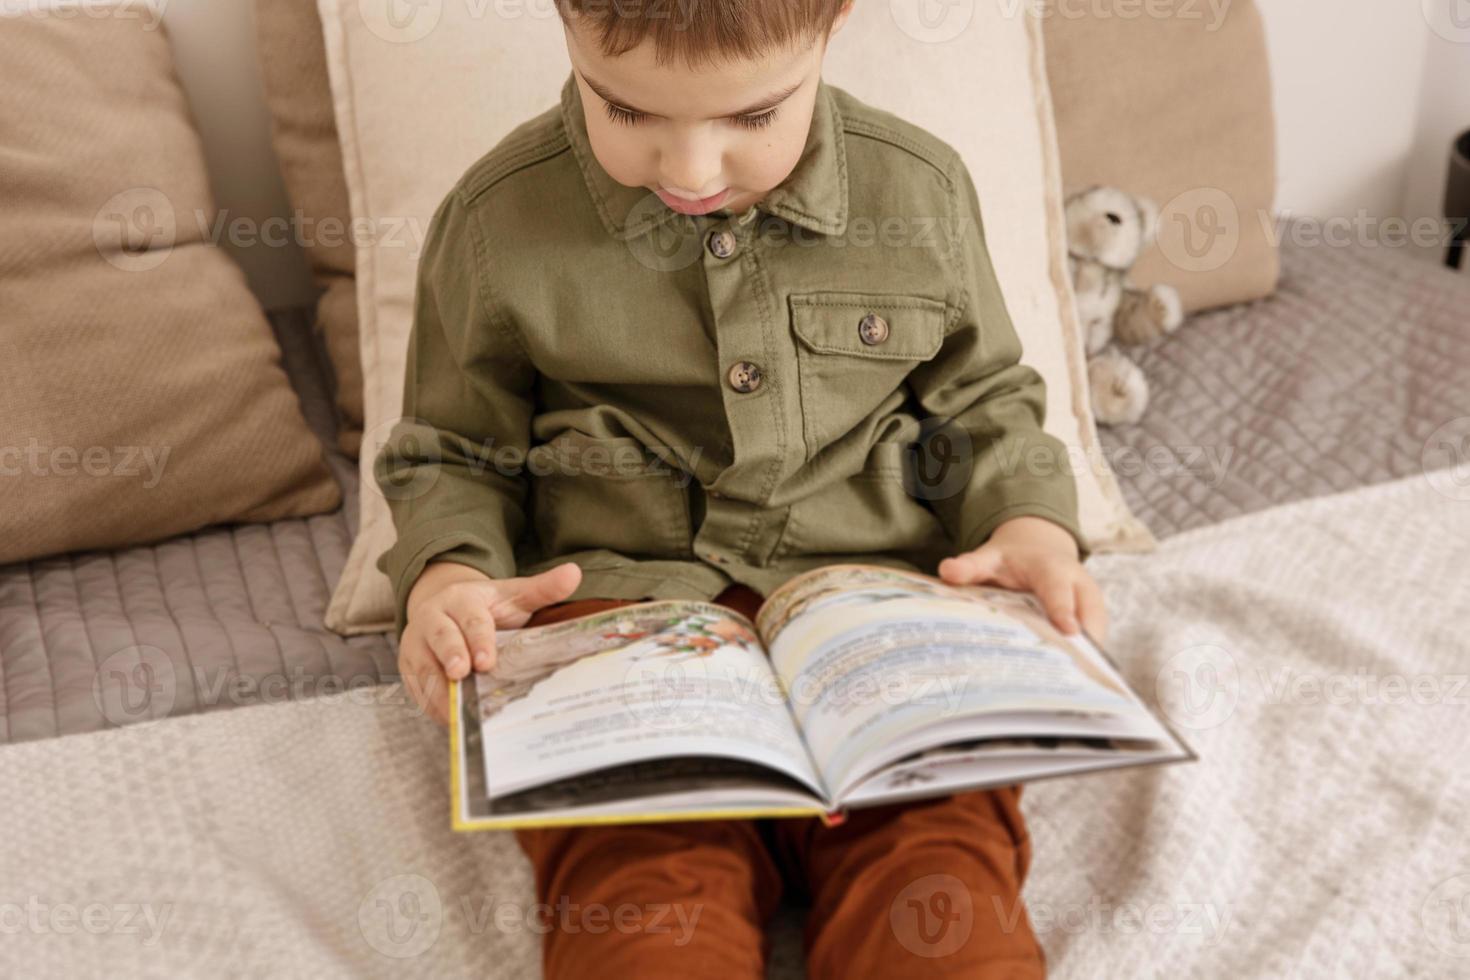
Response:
column 702, row 205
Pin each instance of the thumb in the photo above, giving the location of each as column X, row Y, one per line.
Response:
column 553, row 585
column 980, row 565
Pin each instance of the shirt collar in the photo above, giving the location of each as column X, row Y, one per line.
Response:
column 813, row 195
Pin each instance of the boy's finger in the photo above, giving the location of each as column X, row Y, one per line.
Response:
column 446, row 641
column 529, row 594
column 421, row 674
column 1091, row 609
column 477, row 624
column 1060, row 601
column 974, row 566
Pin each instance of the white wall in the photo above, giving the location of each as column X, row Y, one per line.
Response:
column 1368, row 96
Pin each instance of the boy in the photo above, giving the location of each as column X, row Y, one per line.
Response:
column 676, row 337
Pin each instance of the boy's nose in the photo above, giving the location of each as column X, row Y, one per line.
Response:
column 691, row 173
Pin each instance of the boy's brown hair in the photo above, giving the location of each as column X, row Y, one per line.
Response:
column 702, row 32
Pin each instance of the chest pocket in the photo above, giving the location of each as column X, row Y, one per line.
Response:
column 854, row 352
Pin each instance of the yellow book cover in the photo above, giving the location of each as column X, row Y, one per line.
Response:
column 857, row 685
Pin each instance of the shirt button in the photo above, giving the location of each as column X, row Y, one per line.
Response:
column 745, row 376
column 873, row 329
column 722, row 244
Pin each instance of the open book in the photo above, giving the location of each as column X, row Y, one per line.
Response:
column 857, row 685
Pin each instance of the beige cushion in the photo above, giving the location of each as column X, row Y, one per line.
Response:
column 408, row 132
column 1178, row 109
column 141, row 392
column 294, row 69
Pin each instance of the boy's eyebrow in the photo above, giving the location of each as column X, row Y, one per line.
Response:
column 775, row 98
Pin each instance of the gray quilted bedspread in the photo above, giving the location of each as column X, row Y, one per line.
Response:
column 1340, row 379
column 1337, row 381
column 224, row 617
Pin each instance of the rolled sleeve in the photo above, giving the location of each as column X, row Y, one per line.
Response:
column 450, row 469
column 990, row 403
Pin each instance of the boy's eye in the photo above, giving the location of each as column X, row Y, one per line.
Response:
column 620, row 115
column 629, row 117
column 758, row 121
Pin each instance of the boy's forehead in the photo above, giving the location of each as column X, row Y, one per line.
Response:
column 636, row 80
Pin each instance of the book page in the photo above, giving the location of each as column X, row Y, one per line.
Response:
column 880, row 663
column 656, row 680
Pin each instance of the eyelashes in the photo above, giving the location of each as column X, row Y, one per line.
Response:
column 627, row 117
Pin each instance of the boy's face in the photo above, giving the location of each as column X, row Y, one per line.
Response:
column 719, row 137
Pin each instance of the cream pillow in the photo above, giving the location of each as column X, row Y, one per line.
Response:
column 418, row 100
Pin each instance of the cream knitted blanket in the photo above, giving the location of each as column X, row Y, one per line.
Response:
column 1314, row 654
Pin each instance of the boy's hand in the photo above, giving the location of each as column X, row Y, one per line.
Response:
column 453, row 612
column 1033, row 554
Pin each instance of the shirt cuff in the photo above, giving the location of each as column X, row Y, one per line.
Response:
column 1058, row 513
column 405, row 561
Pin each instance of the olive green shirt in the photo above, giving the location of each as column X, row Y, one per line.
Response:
column 677, row 403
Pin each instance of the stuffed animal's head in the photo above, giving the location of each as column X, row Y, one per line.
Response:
column 1110, row 226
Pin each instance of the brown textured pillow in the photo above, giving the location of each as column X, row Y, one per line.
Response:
column 1176, row 106
column 293, row 65
column 141, row 392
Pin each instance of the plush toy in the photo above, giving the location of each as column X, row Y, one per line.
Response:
column 1107, row 230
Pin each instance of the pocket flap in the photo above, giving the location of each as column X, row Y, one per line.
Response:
column 832, row 323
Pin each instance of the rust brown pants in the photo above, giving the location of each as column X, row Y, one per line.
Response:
column 919, row 889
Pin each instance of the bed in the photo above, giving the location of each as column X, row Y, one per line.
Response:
column 1302, row 624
